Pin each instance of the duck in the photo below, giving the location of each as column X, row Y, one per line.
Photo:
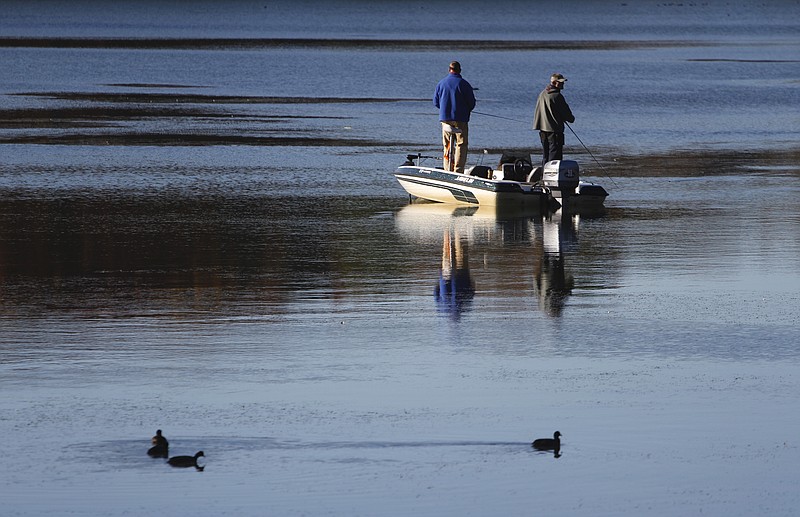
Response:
column 160, row 448
column 186, row 461
column 548, row 444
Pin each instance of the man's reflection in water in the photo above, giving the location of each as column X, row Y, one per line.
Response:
column 553, row 283
column 456, row 288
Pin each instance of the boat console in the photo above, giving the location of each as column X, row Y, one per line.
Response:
column 514, row 168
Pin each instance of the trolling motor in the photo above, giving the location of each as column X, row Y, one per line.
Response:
column 418, row 157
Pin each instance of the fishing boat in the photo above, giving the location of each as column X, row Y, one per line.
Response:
column 515, row 182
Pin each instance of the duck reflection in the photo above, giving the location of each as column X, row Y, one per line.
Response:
column 456, row 288
column 553, row 284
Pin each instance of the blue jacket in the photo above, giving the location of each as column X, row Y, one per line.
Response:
column 454, row 98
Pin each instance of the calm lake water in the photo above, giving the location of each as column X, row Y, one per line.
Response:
column 200, row 233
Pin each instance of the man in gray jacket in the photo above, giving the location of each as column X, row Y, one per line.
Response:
column 551, row 112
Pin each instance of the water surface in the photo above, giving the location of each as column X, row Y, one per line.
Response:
column 206, row 238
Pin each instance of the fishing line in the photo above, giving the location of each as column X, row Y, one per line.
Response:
column 590, row 153
column 498, row 116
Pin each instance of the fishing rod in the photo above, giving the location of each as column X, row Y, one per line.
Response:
column 605, row 172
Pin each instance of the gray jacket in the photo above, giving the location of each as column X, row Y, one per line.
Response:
column 552, row 111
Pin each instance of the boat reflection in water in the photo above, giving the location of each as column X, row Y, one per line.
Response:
column 456, row 288
column 553, row 284
column 510, row 245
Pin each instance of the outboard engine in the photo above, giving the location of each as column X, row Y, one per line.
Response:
column 562, row 175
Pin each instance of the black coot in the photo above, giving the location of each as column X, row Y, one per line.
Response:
column 160, row 448
column 548, row 444
column 186, row 461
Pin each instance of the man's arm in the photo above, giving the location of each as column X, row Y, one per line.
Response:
column 563, row 110
column 470, row 96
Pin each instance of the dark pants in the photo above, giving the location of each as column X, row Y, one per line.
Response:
column 552, row 146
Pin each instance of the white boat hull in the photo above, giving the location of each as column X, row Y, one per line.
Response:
column 587, row 197
column 450, row 187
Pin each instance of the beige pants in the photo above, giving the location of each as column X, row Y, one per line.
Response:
column 455, row 140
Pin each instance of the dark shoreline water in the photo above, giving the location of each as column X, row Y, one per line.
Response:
column 486, row 45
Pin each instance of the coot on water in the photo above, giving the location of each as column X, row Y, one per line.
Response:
column 548, row 444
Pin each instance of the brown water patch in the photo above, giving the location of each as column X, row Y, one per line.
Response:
column 181, row 98
column 348, row 43
column 715, row 60
column 686, row 163
column 673, row 163
column 114, row 116
column 182, row 139
column 84, row 117
column 152, row 85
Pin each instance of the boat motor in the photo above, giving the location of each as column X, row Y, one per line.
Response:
column 563, row 175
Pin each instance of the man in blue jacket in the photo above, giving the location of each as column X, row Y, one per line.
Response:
column 552, row 111
column 455, row 99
